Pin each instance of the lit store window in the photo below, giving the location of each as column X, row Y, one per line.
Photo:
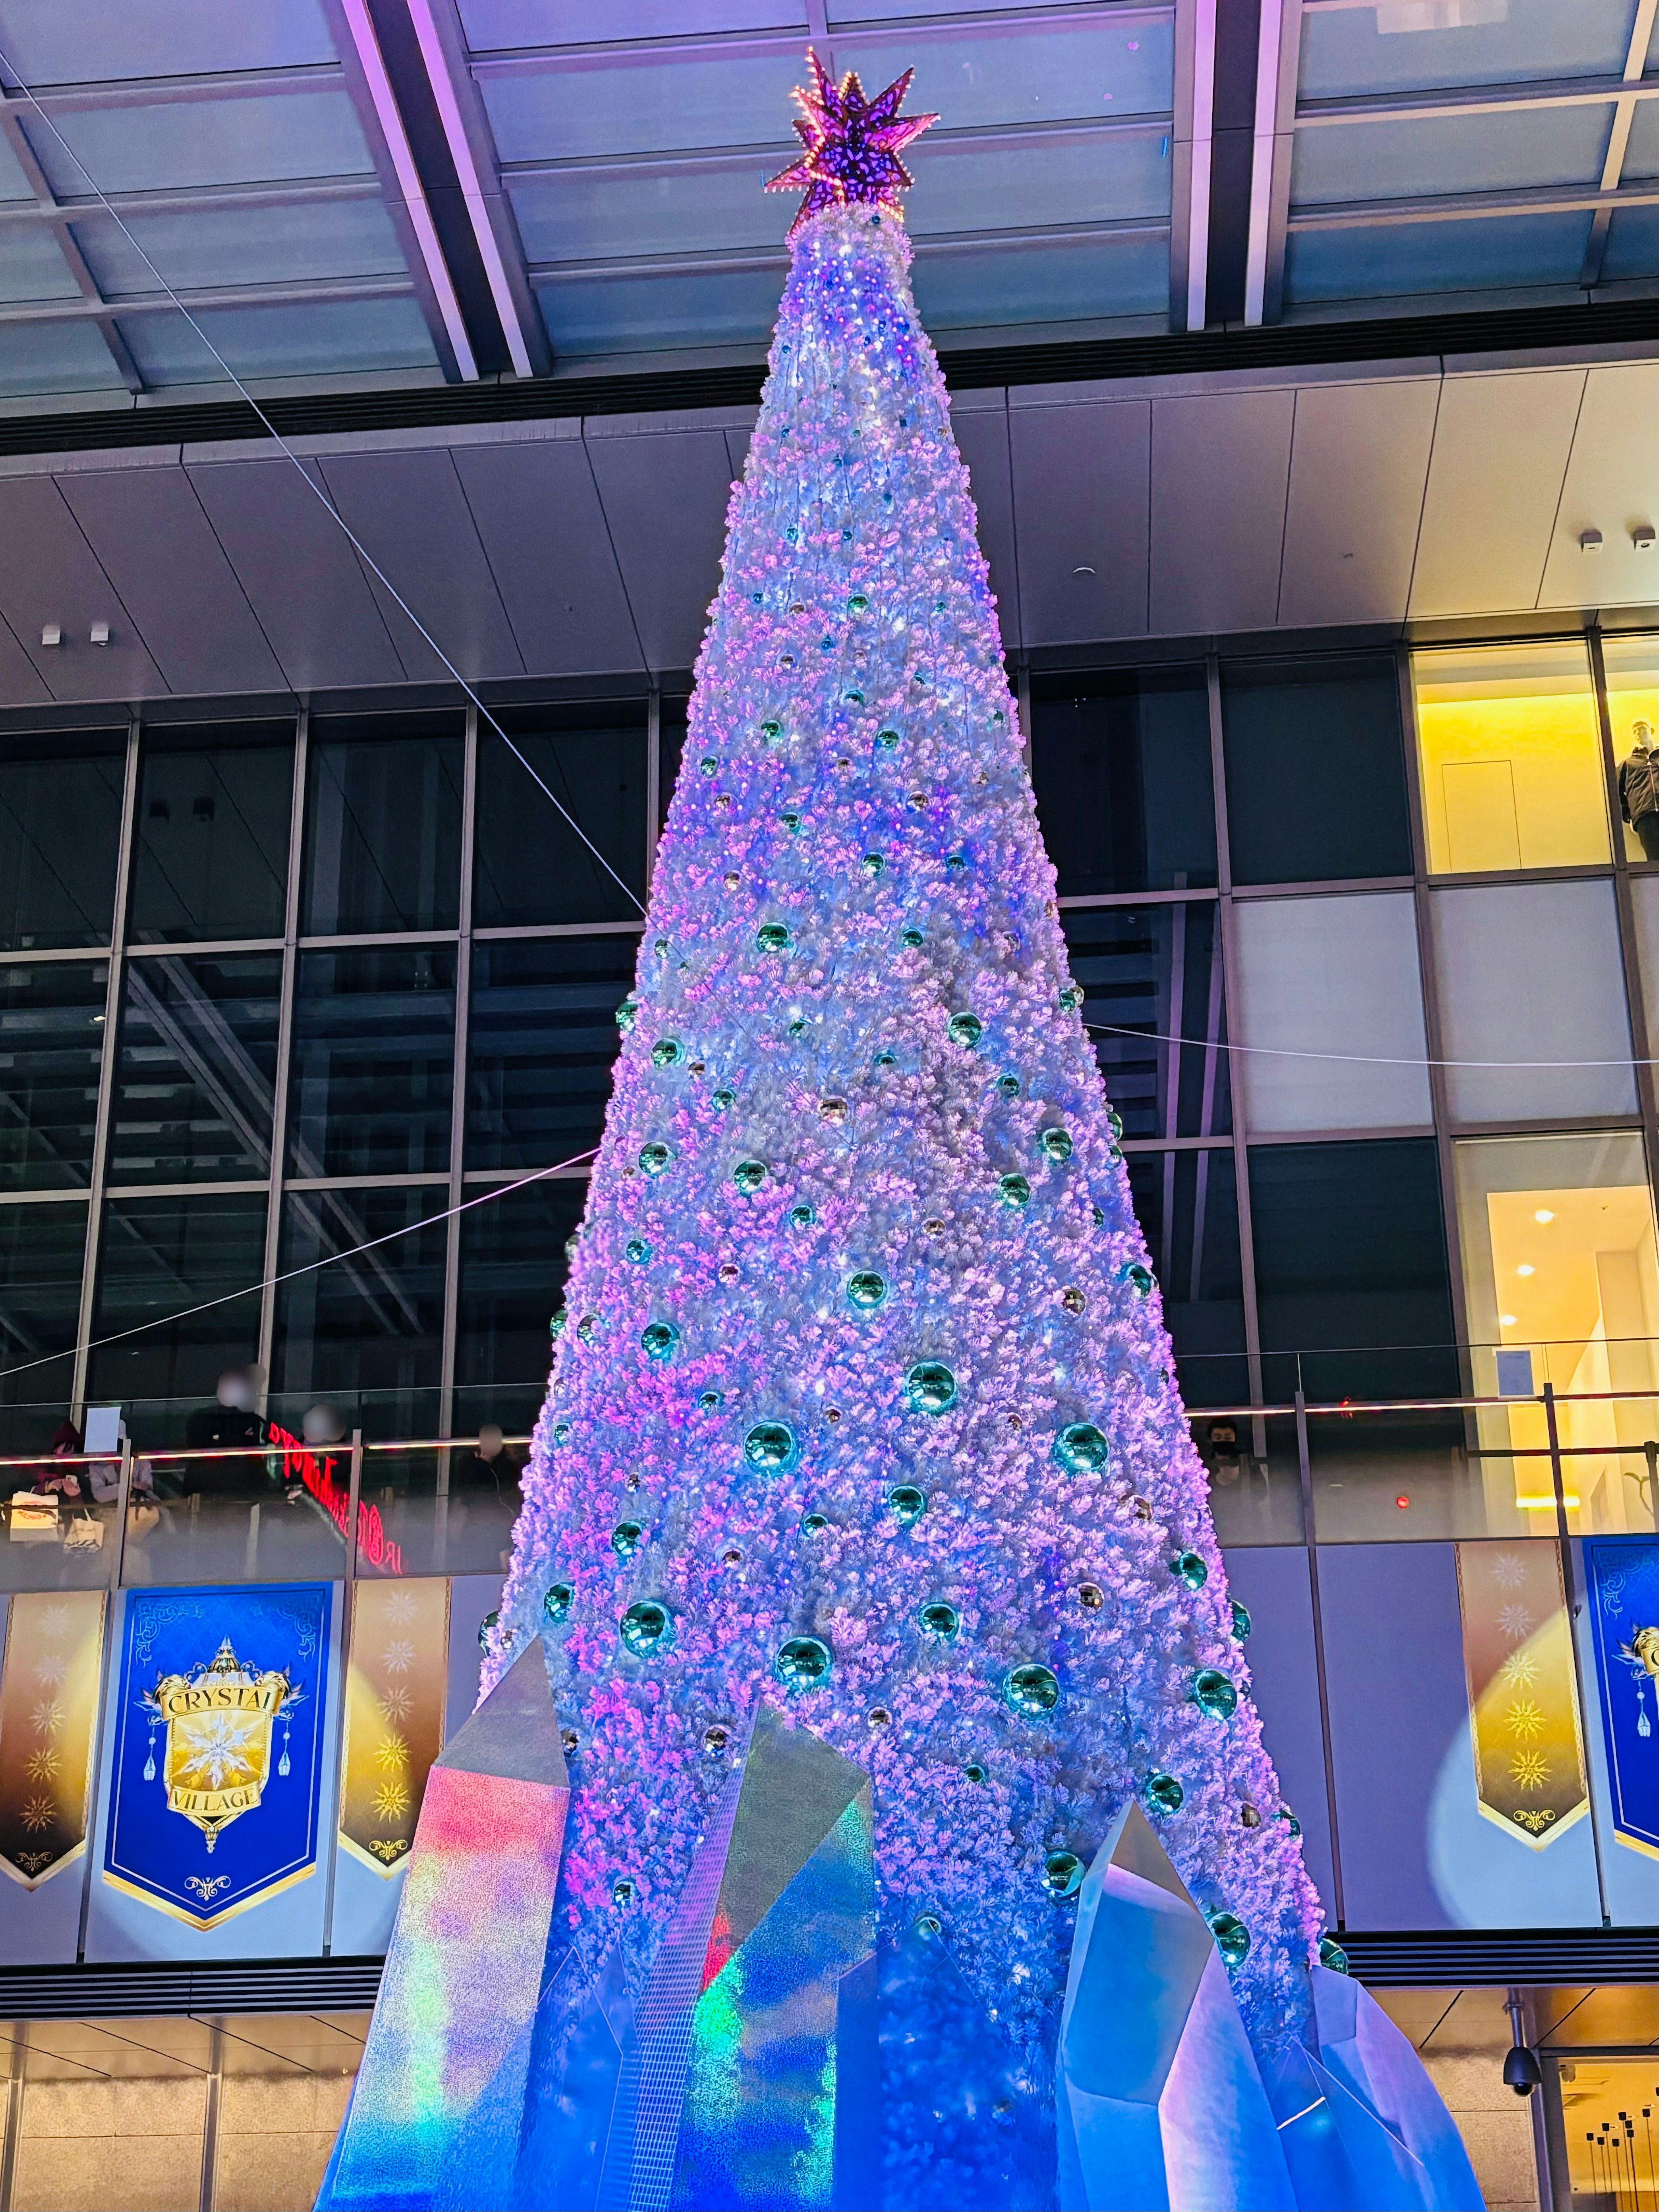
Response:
column 1513, row 775
column 1559, row 1273
column 1633, row 672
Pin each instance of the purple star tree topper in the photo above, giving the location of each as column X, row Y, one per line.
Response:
column 853, row 145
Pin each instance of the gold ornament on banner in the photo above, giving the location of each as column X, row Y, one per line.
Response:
column 1523, row 1702
column 48, row 1726
column 394, row 1724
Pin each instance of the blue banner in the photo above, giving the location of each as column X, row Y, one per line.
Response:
column 218, row 1723
column 1623, row 1572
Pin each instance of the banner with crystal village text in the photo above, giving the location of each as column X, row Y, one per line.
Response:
column 1523, row 1702
column 49, row 1685
column 396, row 1684
column 1623, row 1574
column 217, row 1718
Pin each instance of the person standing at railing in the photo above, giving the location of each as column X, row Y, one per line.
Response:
column 230, row 1421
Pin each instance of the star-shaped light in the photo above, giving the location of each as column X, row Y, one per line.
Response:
column 851, row 145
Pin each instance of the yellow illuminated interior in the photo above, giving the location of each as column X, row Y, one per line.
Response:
column 1513, row 775
column 1633, row 696
column 1607, row 2108
column 1576, row 1278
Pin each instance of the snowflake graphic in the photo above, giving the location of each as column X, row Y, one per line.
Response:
column 54, row 1622
column 390, row 1800
column 1520, row 1670
column 397, row 1657
column 48, row 1717
column 1509, row 1571
column 220, row 1750
column 38, row 1813
column 400, row 1606
column 1524, row 1719
column 50, row 1668
column 393, row 1753
column 396, row 1703
column 41, row 1766
column 1529, row 1769
column 1515, row 1621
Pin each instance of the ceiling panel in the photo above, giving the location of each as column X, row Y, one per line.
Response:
column 299, row 572
column 1081, row 480
column 1037, row 282
column 73, row 41
column 493, row 25
column 1395, row 260
column 537, row 510
column 1611, row 485
column 1071, row 176
column 262, row 244
column 410, row 514
column 1359, row 461
column 31, row 266
column 665, row 496
column 588, row 214
column 1220, row 474
column 1013, row 72
column 46, row 358
column 318, row 337
column 48, row 574
column 156, row 546
column 980, row 423
column 1407, row 48
column 1418, row 155
column 650, row 102
column 1500, row 453
column 621, row 314
column 259, row 138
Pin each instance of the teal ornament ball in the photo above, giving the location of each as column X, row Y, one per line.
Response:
column 930, row 1386
column 1332, row 1955
column 774, row 937
column 938, row 1619
column 625, row 1538
column 1293, row 1826
column 1031, row 1690
column 647, row 1628
column 1138, row 1279
column 724, row 1099
column 1062, row 1874
column 1070, row 999
column 1241, row 1623
column 1014, row 1191
column 485, row 1627
column 964, row 1029
column 803, row 1662
column 1187, row 1567
column 802, row 1217
column 659, row 1338
column 1212, row 1694
column 654, row 1158
column 748, row 1176
column 637, row 1250
column 1232, row 1937
column 769, row 1446
column 907, row 1503
column 626, row 1014
column 866, row 1288
column 1081, row 1449
column 555, row 1605
column 1056, row 1143
column 911, row 938
column 1164, row 1792
column 1008, row 1086
column 667, row 1052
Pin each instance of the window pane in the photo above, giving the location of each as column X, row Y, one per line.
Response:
column 158, row 1257
column 41, row 1249
column 532, row 866
column 60, row 823
column 1645, row 901
column 196, row 1072
column 513, row 1271
column 1186, row 1204
column 1121, row 764
column 1511, row 759
column 1149, row 974
column 1316, row 772
column 1632, row 667
column 364, row 1335
column 1559, row 1276
column 211, row 856
column 383, row 825
column 1533, row 972
column 543, row 1036
column 670, row 738
column 373, row 1061
column 1350, row 1269
column 52, row 1036
column 1335, row 977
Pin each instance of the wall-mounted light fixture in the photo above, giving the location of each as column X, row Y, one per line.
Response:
column 52, row 634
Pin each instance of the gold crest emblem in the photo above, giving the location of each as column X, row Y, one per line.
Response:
column 220, row 1722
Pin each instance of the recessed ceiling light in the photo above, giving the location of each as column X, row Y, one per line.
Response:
column 1543, row 1215
column 1525, row 1269
column 1506, row 1320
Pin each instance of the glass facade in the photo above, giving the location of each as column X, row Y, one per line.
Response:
column 372, row 950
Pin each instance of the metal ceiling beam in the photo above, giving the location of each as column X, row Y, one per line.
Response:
column 78, row 208
column 1466, row 207
column 301, row 292
column 1473, row 100
column 1624, row 114
column 47, row 208
column 1278, row 59
column 178, row 91
column 1190, row 141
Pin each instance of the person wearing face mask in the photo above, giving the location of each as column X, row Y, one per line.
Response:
column 1639, row 789
column 231, row 1419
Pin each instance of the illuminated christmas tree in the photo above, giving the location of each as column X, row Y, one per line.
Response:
column 862, row 1410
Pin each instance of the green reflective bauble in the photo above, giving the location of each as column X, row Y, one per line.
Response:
column 1164, row 1792
column 813, row 1524
column 857, row 603
column 1070, row 999
column 938, row 1619
column 667, row 1052
column 709, row 1400
column 874, row 863
column 802, row 1217
column 485, row 1627
column 803, row 1662
column 774, row 937
column 724, row 1099
column 955, row 863
column 1187, row 1567
column 708, row 764
column 1030, row 1690
column 561, row 1596
column 647, row 1628
column 887, row 739
column 748, row 1176
column 931, row 1387
column 1014, row 1191
column 769, row 1445
column 625, row 1538
column 1290, row 1819
column 626, row 1014
column 973, row 1771
column 1062, row 1874
column 1214, row 1695
column 1241, row 1623
column 770, row 729
column 622, row 1891
column 637, row 1250
column 1232, row 1937
column 655, row 1158
column 1056, row 1143
column 1138, row 1279
column 659, row 1338
column 927, row 1925
column 866, row 1288
column 907, row 1502
column 1081, row 1449
column 964, row 1029
column 1331, row 1955
column 910, row 938
column 1008, row 1086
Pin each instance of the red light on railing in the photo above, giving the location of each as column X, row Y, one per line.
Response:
column 1402, row 1501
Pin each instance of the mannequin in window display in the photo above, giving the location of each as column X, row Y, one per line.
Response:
column 1638, row 788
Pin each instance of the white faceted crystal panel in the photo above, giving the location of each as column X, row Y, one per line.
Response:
column 1338, row 977
column 1531, row 973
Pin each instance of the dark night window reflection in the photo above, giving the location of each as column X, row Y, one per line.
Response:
column 1149, row 974
column 1350, row 1270
column 1121, row 764
column 158, row 1256
column 196, row 1070
column 51, row 1040
column 210, row 854
column 1186, row 1204
column 532, row 866
column 373, row 1061
column 542, row 1038
column 1316, row 771
column 41, row 1251
column 383, row 825
column 60, row 824
column 513, row 1271
column 364, row 1334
